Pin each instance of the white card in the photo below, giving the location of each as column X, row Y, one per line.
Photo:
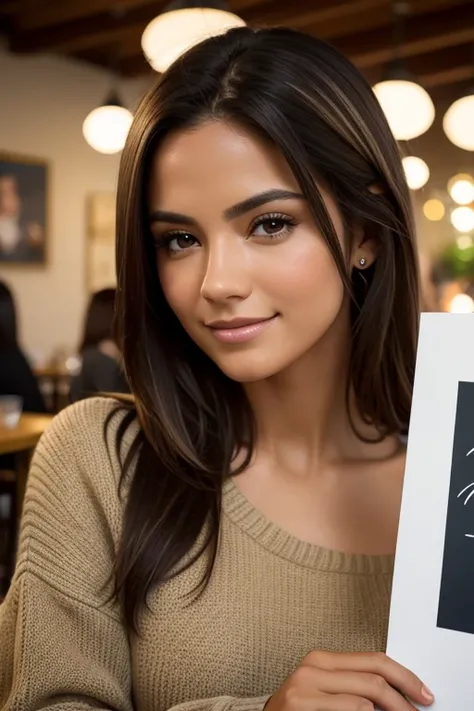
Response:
column 431, row 627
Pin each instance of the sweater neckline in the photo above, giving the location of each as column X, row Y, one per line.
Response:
column 241, row 512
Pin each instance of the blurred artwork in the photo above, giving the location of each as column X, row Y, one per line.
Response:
column 23, row 210
column 100, row 257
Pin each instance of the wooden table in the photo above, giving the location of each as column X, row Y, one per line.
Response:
column 25, row 435
column 21, row 441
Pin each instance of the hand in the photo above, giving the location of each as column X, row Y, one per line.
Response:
column 349, row 682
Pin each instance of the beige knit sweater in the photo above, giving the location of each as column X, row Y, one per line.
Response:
column 271, row 599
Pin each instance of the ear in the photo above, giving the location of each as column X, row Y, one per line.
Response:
column 364, row 250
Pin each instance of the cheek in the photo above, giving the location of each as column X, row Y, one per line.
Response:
column 178, row 286
column 308, row 277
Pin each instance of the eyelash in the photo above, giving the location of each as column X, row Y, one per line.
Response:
column 289, row 223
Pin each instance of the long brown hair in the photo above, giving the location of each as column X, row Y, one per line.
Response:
column 319, row 111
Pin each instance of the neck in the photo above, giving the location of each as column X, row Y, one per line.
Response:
column 307, row 416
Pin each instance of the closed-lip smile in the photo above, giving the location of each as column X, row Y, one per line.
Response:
column 239, row 330
column 237, row 322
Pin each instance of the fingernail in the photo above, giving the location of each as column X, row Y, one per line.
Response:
column 427, row 694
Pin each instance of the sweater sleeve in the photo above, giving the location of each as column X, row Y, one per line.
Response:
column 63, row 645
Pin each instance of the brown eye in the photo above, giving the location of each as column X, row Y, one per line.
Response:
column 181, row 241
column 273, row 226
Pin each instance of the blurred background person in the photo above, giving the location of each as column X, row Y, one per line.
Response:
column 101, row 367
column 16, row 376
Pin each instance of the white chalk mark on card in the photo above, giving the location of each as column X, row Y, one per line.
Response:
column 469, row 486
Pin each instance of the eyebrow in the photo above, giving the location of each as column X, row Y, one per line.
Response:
column 231, row 213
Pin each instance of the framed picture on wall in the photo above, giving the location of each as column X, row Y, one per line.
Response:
column 100, row 245
column 23, row 210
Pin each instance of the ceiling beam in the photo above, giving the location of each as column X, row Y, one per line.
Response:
column 84, row 33
column 132, row 15
column 130, row 40
column 326, row 28
column 33, row 14
column 333, row 19
column 13, row 7
column 426, row 33
column 65, row 12
column 445, row 66
column 282, row 13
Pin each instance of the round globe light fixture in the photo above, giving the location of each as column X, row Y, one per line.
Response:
column 181, row 26
column 417, row 172
column 461, row 304
column 462, row 219
column 458, row 122
column 464, row 242
column 106, row 127
column 434, row 210
column 461, row 189
column 408, row 107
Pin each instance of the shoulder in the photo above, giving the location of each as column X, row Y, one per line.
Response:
column 92, row 427
column 85, row 445
column 73, row 511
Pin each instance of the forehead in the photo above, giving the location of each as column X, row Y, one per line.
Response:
column 217, row 160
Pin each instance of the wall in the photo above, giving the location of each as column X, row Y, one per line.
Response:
column 44, row 102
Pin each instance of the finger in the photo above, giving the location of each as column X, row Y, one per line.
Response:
column 363, row 685
column 343, row 702
column 395, row 674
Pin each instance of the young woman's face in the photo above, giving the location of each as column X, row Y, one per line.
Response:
column 240, row 259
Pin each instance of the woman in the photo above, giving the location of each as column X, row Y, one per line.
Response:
column 16, row 377
column 101, row 369
column 201, row 544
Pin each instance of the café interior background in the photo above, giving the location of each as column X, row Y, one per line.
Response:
column 59, row 60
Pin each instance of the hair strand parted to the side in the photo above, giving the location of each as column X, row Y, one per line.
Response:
column 309, row 101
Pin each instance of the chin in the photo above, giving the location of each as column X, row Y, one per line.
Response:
column 244, row 377
column 249, row 372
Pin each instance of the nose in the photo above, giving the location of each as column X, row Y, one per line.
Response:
column 227, row 271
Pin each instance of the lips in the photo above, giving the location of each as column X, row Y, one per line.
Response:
column 239, row 330
column 237, row 323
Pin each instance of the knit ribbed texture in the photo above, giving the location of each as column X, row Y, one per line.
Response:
column 271, row 599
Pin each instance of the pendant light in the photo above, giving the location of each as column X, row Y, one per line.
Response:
column 458, row 122
column 106, row 127
column 408, row 107
column 182, row 25
column 417, row 172
column 434, row 210
column 461, row 188
column 462, row 219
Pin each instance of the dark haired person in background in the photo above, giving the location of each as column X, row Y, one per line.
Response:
column 16, row 376
column 101, row 369
column 224, row 541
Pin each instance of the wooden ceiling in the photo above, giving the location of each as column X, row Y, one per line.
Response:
column 438, row 42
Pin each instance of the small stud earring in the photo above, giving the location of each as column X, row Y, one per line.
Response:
column 362, row 261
